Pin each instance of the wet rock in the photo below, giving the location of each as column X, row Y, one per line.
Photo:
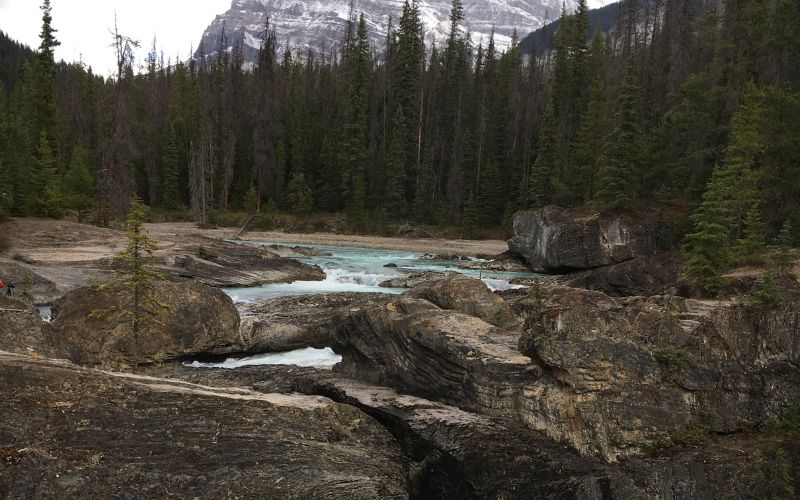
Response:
column 199, row 320
column 289, row 323
column 88, row 434
column 228, row 265
column 640, row 276
column 391, row 266
column 412, row 280
column 557, row 240
column 467, row 295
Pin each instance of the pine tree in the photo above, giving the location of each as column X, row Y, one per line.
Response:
column 300, row 196
column 137, row 276
column 753, row 243
column 44, row 193
column 782, row 260
column 546, row 161
column 708, row 249
column 394, row 200
column 43, row 102
column 170, row 194
column 250, row 204
column 618, row 183
column 79, row 185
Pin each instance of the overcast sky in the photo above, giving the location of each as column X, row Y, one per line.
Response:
column 83, row 25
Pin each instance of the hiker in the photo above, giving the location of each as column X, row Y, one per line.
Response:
column 9, row 288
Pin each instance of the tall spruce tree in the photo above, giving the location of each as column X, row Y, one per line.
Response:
column 708, row 247
column 79, row 185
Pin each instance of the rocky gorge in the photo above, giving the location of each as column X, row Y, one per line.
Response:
column 568, row 389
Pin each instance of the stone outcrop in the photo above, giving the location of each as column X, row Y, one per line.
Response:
column 458, row 454
column 643, row 276
column 198, row 320
column 556, row 240
column 289, row 323
column 228, row 265
column 22, row 330
column 412, row 280
column 609, row 377
column 470, row 296
column 505, row 262
column 68, row 432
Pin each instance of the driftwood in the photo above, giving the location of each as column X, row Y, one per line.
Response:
column 251, row 219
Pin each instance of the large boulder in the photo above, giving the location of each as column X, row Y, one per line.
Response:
column 289, row 323
column 556, row 240
column 467, row 295
column 609, row 377
column 415, row 279
column 68, row 432
column 198, row 319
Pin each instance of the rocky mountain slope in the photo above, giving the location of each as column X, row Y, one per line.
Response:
column 319, row 24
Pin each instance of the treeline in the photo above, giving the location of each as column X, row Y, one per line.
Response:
column 633, row 120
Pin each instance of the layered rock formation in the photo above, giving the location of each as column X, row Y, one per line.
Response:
column 557, row 240
column 289, row 323
column 229, row 265
column 75, row 433
column 609, row 377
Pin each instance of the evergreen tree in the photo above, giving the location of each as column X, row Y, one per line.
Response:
column 618, row 182
column 170, row 193
column 137, row 276
column 250, row 204
column 42, row 100
column 783, row 261
column 753, row 243
column 301, row 199
column 708, row 247
column 44, row 193
column 79, row 185
column 394, row 200
column 546, row 161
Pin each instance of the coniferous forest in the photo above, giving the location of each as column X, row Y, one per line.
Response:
column 682, row 110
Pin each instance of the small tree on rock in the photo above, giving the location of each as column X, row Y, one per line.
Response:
column 136, row 278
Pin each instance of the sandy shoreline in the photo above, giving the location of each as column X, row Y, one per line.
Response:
column 173, row 231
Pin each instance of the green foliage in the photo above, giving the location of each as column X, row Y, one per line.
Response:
column 250, row 204
column 79, row 185
column 694, row 435
column 137, row 276
column 782, row 260
column 300, row 197
column 673, row 358
column 754, row 242
column 765, row 294
column 707, row 247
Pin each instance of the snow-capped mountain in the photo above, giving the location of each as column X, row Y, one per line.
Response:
column 319, row 24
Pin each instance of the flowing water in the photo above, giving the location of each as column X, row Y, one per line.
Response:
column 351, row 269
column 348, row 269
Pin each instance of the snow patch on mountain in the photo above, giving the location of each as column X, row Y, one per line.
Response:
column 319, row 24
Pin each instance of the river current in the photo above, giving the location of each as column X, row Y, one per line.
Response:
column 348, row 269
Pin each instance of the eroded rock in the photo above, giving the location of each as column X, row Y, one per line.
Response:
column 289, row 323
column 199, row 320
column 557, row 240
column 88, row 434
column 471, row 296
column 228, row 265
